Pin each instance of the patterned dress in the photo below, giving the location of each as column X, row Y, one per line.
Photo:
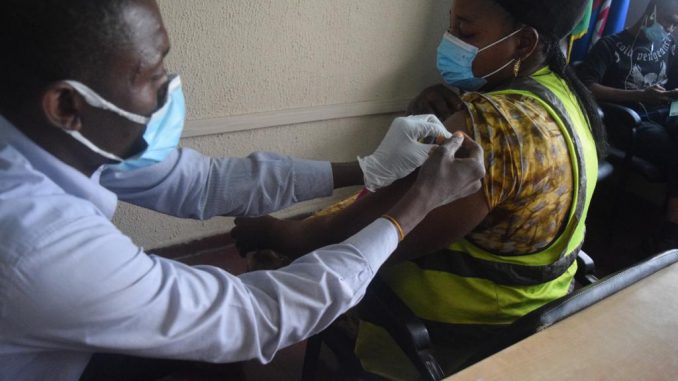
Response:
column 529, row 185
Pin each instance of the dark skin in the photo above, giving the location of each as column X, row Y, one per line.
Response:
column 136, row 81
column 480, row 23
column 468, row 22
column 667, row 17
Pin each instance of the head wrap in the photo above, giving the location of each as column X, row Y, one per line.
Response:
column 551, row 18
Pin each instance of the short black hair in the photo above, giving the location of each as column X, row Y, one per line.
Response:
column 43, row 41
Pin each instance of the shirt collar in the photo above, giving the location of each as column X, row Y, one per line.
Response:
column 68, row 178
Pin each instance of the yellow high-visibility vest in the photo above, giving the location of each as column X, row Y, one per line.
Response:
column 465, row 287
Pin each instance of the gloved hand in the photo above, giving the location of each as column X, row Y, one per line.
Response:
column 401, row 151
column 445, row 178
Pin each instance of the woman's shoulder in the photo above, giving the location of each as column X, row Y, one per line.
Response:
column 491, row 102
column 505, row 107
column 511, row 122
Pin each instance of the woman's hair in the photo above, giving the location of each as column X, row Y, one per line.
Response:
column 554, row 20
column 558, row 64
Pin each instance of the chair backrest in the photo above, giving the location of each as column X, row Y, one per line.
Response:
column 562, row 308
column 621, row 123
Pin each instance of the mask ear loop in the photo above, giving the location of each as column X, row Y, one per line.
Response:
column 651, row 21
column 500, row 69
column 498, row 42
column 87, row 143
column 95, row 100
column 502, row 39
column 520, row 60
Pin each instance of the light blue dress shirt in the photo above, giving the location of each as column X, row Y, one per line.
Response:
column 71, row 284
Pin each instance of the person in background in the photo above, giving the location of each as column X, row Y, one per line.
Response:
column 638, row 68
column 90, row 115
column 475, row 265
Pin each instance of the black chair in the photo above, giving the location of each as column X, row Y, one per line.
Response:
column 621, row 123
column 605, row 168
column 381, row 306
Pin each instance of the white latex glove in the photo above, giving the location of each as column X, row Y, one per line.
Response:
column 401, row 151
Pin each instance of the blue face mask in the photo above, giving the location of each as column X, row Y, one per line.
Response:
column 656, row 33
column 455, row 62
column 163, row 128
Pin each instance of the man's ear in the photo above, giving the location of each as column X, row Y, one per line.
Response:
column 62, row 106
column 528, row 40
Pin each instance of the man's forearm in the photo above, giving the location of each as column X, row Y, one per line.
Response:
column 347, row 174
column 611, row 94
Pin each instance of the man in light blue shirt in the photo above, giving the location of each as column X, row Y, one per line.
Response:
column 88, row 116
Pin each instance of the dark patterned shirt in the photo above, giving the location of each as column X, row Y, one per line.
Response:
column 528, row 186
column 631, row 62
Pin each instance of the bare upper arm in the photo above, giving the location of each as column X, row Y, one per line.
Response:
column 449, row 223
column 457, row 122
column 443, row 226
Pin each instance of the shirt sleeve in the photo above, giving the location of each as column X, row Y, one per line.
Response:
column 593, row 68
column 91, row 289
column 501, row 144
column 190, row 185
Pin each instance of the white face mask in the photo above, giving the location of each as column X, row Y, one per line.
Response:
column 163, row 128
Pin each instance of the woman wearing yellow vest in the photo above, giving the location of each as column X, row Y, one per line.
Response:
column 477, row 264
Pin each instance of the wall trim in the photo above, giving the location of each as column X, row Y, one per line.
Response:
column 291, row 116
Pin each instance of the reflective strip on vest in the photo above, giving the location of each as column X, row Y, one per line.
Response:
column 507, row 274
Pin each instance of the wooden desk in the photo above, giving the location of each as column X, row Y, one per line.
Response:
column 632, row 335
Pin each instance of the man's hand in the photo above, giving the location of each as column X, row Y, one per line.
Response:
column 655, row 96
column 437, row 100
column 266, row 233
column 442, row 179
column 402, row 150
column 448, row 175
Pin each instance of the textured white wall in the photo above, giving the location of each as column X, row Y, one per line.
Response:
column 250, row 56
